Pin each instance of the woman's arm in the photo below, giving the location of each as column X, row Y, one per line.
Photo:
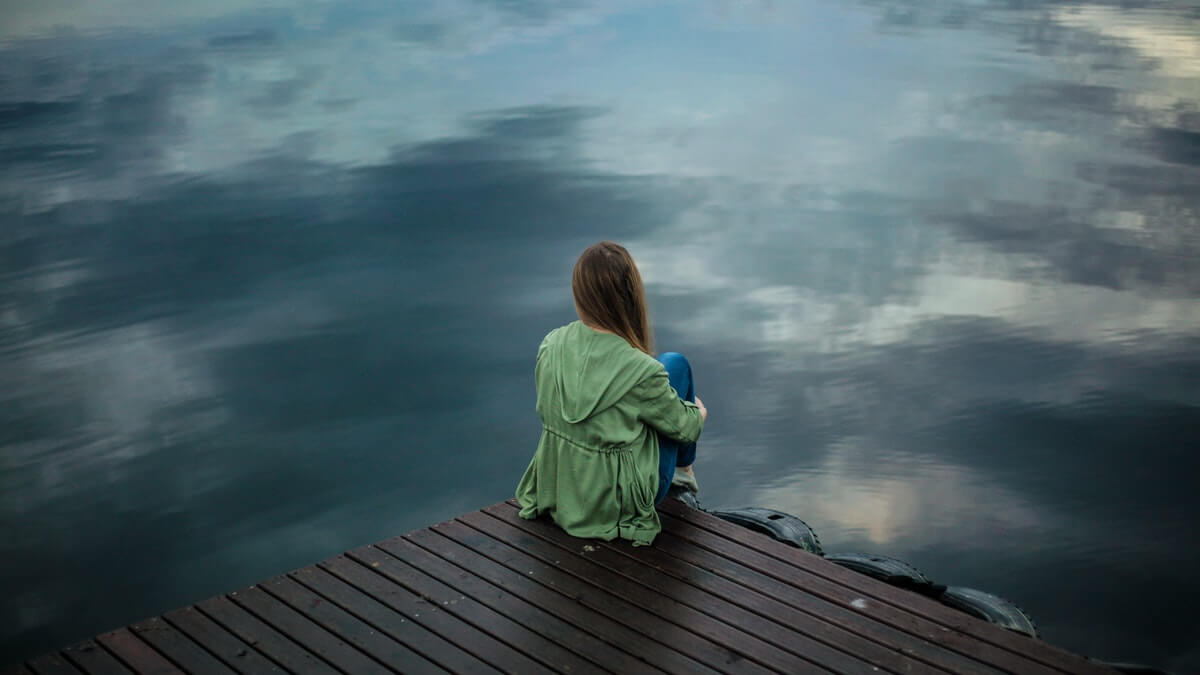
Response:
column 660, row 407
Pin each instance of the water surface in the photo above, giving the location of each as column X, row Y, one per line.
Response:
column 273, row 275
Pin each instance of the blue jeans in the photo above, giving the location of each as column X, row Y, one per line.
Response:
column 671, row 453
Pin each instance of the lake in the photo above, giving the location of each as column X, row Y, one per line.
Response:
column 273, row 276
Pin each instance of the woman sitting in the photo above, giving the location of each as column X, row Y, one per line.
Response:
column 619, row 426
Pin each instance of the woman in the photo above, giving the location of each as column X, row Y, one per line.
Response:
column 615, row 431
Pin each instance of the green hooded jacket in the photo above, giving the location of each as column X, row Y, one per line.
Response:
column 596, row 466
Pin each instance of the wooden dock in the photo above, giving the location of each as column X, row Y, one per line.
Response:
column 488, row 592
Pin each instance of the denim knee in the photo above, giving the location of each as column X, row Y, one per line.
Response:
column 672, row 357
column 679, row 372
column 674, row 362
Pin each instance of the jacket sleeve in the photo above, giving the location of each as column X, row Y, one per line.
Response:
column 660, row 407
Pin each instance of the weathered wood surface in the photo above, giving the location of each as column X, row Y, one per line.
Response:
column 489, row 592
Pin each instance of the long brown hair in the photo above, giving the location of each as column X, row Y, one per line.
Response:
column 609, row 294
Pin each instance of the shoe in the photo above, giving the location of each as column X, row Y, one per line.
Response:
column 684, row 495
column 686, row 481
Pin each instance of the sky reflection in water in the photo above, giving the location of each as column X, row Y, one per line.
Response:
column 274, row 275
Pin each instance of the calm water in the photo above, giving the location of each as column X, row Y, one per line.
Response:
column 273, row 275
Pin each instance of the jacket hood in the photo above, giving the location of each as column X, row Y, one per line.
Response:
column 592, row 370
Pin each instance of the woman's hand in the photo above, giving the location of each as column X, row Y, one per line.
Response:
column 703, row 410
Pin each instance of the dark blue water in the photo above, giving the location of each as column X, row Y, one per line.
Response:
column 272, row 279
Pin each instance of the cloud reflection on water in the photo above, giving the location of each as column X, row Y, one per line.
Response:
column 905, row 501
column 265, row 271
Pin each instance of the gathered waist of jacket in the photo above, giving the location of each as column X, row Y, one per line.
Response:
column 582, row 446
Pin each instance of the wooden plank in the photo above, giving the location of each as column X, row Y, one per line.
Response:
column 139, row 656
column 511, row 624
column 683, row 604
column 303, row 631
column 814, row 624
column 449, row 626
column 862, row 634
column 578, row 639
column 53, row 664
column 912, row 603
column 622, row 558
column 266, row 639
column 796, row 581
column 606, row 615
column 393, row 654
column 877, row 643
column 466, row 548
column 490, row 592
column 607, row 599
column 219, row 642
column 388, row 621
column 177, row 647
column 92, row 658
